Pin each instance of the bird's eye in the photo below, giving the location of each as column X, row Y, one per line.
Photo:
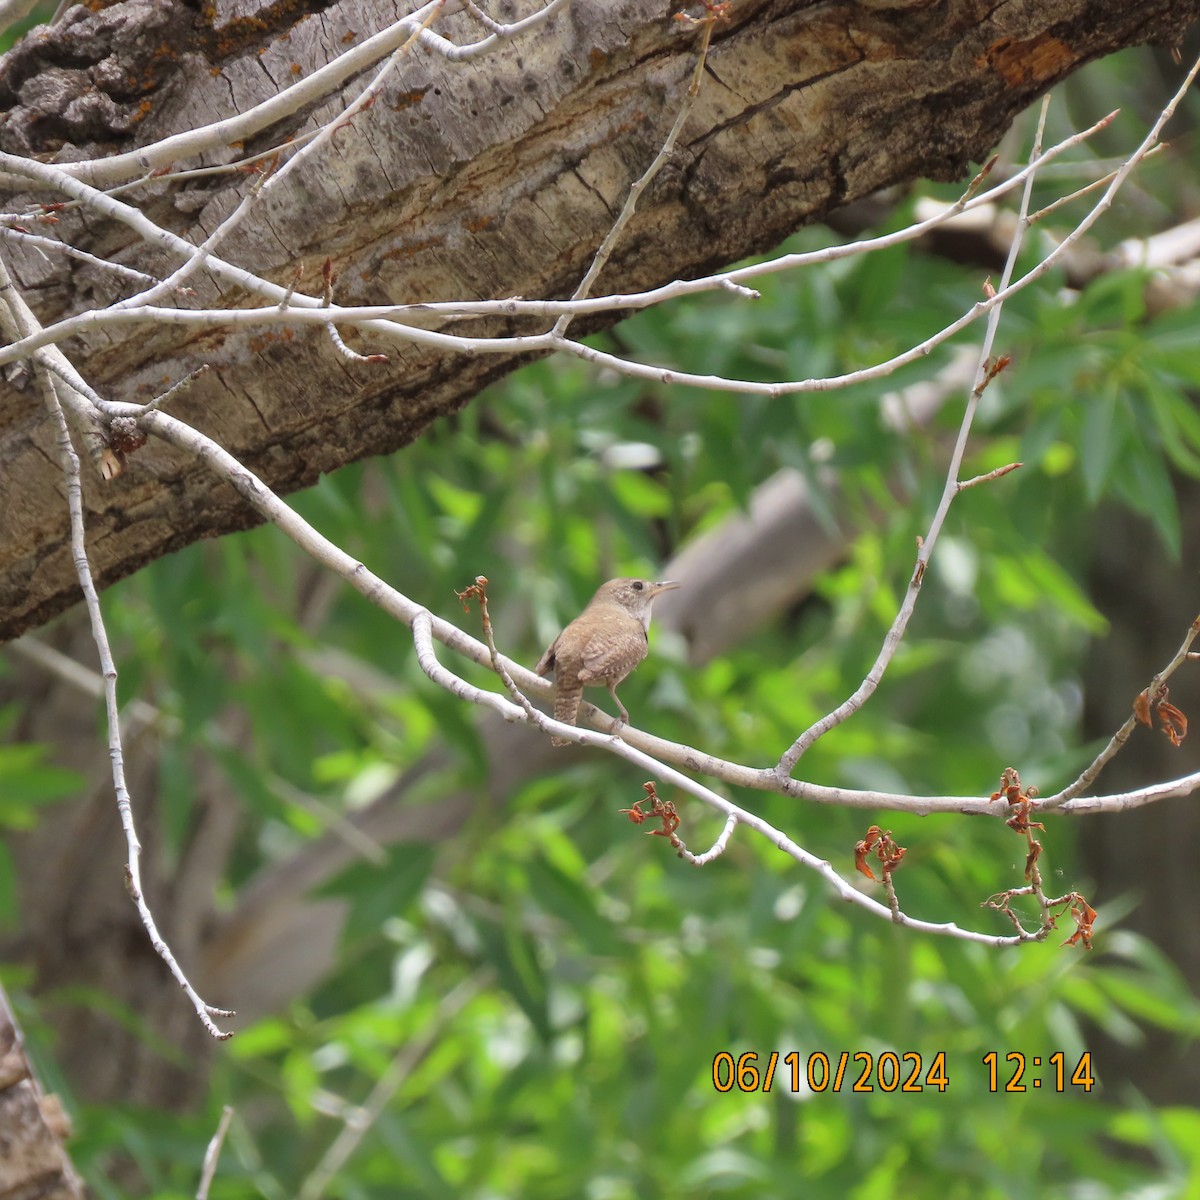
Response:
column 638, row 585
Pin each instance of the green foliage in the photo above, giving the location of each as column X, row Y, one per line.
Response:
column 546, row 993
column 11, row 34
column 27, row 782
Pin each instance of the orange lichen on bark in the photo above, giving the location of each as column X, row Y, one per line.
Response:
column 260, row 343
column 408, row 99
column 1033, row 61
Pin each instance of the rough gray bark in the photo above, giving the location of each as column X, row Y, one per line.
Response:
column 32, row 1126
column 490, row 178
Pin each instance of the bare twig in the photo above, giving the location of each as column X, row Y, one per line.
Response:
column 273, row 509
column 639, row 186
column 336, row 338
column 385, row 320
column 55, row 374
column 1087, row 189
column 213, row 1153
column 717, row 848
column 50, row 245
column 988, row 476
column 196, row 260
column 1154, row 691
column 478, row 591
column 983, row 375
column 133, row 882
column 427, row 657
column 305, row 92
column 177, row 389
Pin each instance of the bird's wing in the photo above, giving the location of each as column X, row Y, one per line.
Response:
column 602, row 655
column 546, row 662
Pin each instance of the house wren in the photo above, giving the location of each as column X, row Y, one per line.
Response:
column 601, row 646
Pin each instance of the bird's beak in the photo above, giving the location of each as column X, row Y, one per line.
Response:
column 665, row 586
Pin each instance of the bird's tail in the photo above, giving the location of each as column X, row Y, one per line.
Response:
column 566, row 709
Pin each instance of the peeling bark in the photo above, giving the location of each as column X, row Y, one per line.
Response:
column 493, row 177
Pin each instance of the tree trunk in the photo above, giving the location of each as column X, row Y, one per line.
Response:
column 32, row 1125
column 496, row 176
column 1146, row 855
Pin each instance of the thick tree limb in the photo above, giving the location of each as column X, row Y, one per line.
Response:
column 486, row 178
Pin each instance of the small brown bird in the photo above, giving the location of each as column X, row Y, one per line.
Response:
column 601, row 646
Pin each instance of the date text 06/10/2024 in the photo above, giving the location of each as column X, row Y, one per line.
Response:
column 890, row 1072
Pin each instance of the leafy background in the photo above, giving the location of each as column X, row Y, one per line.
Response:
column 543, row 995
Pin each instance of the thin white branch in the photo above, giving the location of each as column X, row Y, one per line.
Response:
column 951, row 488
column 49, row 369
column 740, row 290
column 1086, row 190
column 383, row 320
column 122, row 167
column 717, row 848
column 213, row 1153
column 271, row 179
column 399, row 606
column 18, row 322
column 51, row 245
column 349, row 352
column 176, row 388
column 481, row 16
column 199, row 256
column 1153, row 693
column 236, row 166
column 133, row 882
column 1186, row 785
column 427, row 657
column 609, row 244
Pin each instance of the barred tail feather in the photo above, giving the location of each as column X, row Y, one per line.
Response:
column 566, row 709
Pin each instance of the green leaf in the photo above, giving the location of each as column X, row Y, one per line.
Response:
column 27, row 782
column 569, row 901
column 1103, row 436
column 1046, row 579
column 514, row 955
column 377, row 894
column 1145, row 483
